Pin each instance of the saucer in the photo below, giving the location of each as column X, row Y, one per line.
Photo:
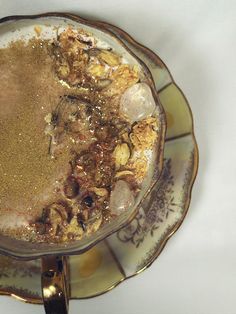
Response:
column 134, row 248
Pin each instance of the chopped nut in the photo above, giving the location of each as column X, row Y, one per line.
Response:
column 122, row 77
column 53, row 219
column 139, row 167
column 85, row 214
column 65, row 84
column 38, row 30
column 73, row 230
column 57, row 209
column 144, row 133
column 72, row 40
column 63, row 70
column 97, row 70
column 121, row 154
column 99, row 191
column 48, row 118
column 109, row 57
column 123, row 173
column 103, row 83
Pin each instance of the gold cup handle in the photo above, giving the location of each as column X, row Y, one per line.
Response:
column 55, row 287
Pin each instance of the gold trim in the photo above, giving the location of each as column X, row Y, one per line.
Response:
column 158, row 61
column 20, row 297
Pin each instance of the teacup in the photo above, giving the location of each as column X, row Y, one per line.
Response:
column 54, row 269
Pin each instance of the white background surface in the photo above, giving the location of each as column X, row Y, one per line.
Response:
column 196, row 272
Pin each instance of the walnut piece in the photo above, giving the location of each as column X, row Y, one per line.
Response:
column 109, row 58
column 144, row 134
column 121, row 154
column 122, row 77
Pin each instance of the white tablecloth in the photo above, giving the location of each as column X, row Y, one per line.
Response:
column 196, row 272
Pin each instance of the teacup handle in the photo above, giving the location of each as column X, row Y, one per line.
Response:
column 55, row 287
